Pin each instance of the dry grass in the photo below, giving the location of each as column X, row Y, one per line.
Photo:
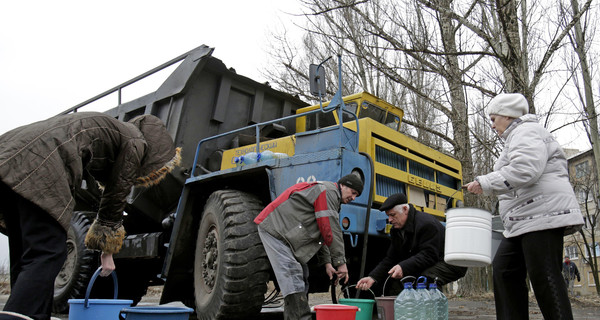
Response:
column 579, row 301
column 586, row 301
column 4, row 284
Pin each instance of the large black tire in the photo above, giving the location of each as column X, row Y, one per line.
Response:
column 231, row 268
column 77, row 270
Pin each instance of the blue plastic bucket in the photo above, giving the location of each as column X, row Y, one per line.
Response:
column 97, row 309
column 155, row 312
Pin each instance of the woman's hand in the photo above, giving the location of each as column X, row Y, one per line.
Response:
column 108, row 264
column 473, row 187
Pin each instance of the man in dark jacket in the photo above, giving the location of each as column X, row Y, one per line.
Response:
column 570, row 272
column 416, row 249
column 41, row 167
column 301, row 222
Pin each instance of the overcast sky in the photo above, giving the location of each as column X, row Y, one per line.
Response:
column 56, row 54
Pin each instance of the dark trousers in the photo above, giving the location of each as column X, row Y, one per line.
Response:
column 37, row 244
column 539, row 255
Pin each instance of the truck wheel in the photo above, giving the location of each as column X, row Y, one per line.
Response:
column 73, row 278
column 231, row 266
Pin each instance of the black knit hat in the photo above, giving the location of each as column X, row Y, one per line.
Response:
column 352, row 181
column 392, row 201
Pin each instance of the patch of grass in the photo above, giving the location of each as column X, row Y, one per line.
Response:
column 4, row 283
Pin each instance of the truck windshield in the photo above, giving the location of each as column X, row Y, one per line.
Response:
column 367, row 110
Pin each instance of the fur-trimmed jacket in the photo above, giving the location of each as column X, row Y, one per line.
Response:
column 46, row 161
column 532, row 182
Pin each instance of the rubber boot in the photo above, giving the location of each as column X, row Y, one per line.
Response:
column 295, row 307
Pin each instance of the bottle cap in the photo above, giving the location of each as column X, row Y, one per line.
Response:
column 422, row 283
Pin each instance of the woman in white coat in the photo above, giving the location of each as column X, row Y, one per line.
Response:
column 538, row 208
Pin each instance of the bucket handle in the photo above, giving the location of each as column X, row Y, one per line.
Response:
column 93, row 279
column 401, row 280
column 348, row 292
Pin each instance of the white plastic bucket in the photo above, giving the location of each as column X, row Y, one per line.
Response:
column 468, row 237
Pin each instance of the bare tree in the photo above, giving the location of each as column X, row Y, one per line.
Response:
column 584, row 181
column 581, row 42
column 443, row 58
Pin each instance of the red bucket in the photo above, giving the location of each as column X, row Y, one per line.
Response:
column 335, row 312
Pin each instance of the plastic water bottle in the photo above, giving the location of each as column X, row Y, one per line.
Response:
column 250, row 158
column 408, row 305
column 266, row 155
column 239, row 161
column 279, row 155
column 440, row 302
column 427, row 302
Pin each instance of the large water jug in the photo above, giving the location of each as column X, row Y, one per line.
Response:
column 279, row 155
column 440, row 302
column 239, row 161
column 266, row 155
column 250, row 158
column 423, row 294
column 408, row 306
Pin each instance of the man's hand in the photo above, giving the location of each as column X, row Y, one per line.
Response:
column 330, row 270
column 108, row 264
column 342, row 273
column 396, row 272
column 365, row 283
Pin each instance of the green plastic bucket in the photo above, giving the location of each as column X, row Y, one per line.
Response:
column 155, row 313
column 365, row 307
column 97, row 309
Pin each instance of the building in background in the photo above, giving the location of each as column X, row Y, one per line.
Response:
column 583, row 176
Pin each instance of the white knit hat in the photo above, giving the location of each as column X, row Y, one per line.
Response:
column 511, row 105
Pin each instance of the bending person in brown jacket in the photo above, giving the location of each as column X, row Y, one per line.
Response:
column 42, row 165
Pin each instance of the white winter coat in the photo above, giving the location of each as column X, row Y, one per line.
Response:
column 532, row 183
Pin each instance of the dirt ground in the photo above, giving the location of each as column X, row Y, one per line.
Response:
column 478, row 307
column 482, row 307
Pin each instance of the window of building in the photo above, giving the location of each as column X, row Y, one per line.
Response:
column 590, row 279
column 582, row 169
column 582, row 196
column 572, row 252
column 593, row 248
